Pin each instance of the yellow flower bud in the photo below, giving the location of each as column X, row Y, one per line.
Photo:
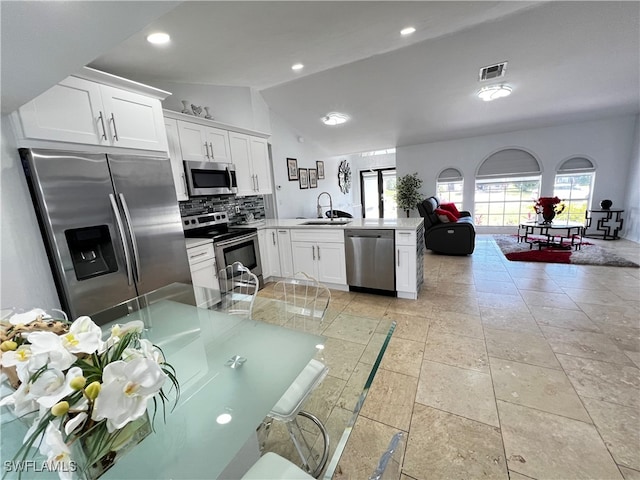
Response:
column 92, row 391
column 8, row 345
column 60, row 409
column 78, row 383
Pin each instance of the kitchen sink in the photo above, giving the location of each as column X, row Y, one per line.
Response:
column 326, row 222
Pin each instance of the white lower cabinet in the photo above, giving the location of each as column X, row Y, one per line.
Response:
column 204, row 273
column 283, row 237
column 406, row 268
column 269, row 252
column 320, row 253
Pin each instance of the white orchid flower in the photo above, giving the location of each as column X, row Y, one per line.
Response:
column 74, row 422
column 118, row 331
column 25, row 360
column 84, row 336
column 21, row 400
column 28, row 317
column 57, row 452
column 50, row 344
column 125, row 390
column 52, row 385
column 146, row 350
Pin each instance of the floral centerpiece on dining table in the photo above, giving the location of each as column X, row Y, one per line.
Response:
column 85, row 399
column 549, row 207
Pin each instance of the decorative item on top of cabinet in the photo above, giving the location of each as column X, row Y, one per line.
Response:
column 186, row 109
column 94, row 108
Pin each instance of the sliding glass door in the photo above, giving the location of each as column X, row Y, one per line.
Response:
column 378, row 191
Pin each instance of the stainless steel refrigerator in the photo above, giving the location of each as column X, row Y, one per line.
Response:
column 111, row 225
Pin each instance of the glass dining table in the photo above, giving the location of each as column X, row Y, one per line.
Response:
column 232, row 370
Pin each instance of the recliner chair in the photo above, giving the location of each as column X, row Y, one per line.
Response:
column 457, row 238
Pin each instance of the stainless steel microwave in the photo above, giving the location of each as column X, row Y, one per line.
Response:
column 210, row 178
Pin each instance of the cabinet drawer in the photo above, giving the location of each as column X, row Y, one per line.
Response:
column 317, row 235
column 200, row 253
column 405, row 237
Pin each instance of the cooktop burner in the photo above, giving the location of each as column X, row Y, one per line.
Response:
column 212, row 225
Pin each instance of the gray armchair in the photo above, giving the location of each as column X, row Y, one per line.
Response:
column 458, row 238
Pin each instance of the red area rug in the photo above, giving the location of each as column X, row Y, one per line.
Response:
column 588, row 254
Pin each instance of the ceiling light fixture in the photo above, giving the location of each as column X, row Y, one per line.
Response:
column 297, row 67
column 334, row 118
column 494, row 92
column 158, row 38
column 407, row 31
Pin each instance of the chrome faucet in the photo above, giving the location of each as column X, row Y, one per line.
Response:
column 319, row 207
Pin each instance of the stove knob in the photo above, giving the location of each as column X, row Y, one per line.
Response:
column 193, row 222
column 186, row 222
column 217, row 217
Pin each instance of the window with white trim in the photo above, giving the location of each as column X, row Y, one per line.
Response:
column 574, row 185
column 507, row 183
column 449, row 186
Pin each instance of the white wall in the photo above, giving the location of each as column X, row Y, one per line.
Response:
column 239, row 106
column 25, row 277
column 632, row 198
column 291, row 200
column 608, row 143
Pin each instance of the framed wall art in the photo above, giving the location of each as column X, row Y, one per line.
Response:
column 292, row 168
column 313, row 178
column 303, row 177
column 320, row 168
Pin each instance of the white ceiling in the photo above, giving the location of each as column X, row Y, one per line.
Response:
column 568, row 61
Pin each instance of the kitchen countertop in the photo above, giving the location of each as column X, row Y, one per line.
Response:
column 361, row 223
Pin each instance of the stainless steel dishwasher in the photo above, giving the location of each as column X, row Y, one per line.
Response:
column 370, row 259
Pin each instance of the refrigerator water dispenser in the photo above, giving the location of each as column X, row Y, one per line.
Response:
column 91, row 251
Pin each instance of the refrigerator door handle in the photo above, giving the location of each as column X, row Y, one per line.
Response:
column 127, row 259
column 134, row 243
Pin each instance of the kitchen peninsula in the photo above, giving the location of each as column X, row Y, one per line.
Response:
column 317, row 246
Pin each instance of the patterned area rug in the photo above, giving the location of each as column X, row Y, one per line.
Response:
column 588, row 254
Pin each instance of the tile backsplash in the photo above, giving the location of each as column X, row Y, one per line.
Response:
column 225, row 203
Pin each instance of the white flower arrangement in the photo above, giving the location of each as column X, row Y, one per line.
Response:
column 78, row 386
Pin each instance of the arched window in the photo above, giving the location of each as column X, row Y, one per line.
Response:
column 574, row 185
column 507, row 182
column 449, row 186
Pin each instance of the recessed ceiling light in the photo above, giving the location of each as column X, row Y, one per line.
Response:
column 158, row 38
column 334, row 118
column 494, row 92
column 297, row 67
column 407, row 31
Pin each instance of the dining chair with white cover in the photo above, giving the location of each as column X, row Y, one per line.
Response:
column 303, row 304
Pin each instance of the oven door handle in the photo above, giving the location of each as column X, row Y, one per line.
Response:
column 232, row 241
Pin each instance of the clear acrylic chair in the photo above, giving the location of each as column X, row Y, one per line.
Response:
column 238, row 287
column 303, row 303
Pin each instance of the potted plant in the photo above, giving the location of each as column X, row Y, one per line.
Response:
column 407, row 195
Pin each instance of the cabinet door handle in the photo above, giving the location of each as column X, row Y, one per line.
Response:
column 273, row 235
column 257, row 184
column 206, row 147
column 212, row 156
column 318, row 247
column 398, row 257
column 198, row 255
column 104, row 130
column 115, row 130
column 313, row 251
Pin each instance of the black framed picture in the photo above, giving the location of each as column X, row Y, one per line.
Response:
column 303, row 176
column 320, row 168
column 292, row 168
column 313, row 178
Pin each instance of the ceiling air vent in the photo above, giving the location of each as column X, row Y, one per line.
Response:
column 493, row 71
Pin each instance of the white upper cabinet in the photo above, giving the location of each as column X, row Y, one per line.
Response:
column 203, row 144
column 69, row 112
column 251, row 158
column 84, row 111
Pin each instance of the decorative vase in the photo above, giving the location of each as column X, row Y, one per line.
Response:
column 208, row 115
column 606, row 204
column 186, row 108
column 90, row 464
column 548, row 214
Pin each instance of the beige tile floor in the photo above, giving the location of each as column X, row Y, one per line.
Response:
column 499, row 370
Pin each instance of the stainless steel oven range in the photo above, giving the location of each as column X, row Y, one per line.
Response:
column 230, row 244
